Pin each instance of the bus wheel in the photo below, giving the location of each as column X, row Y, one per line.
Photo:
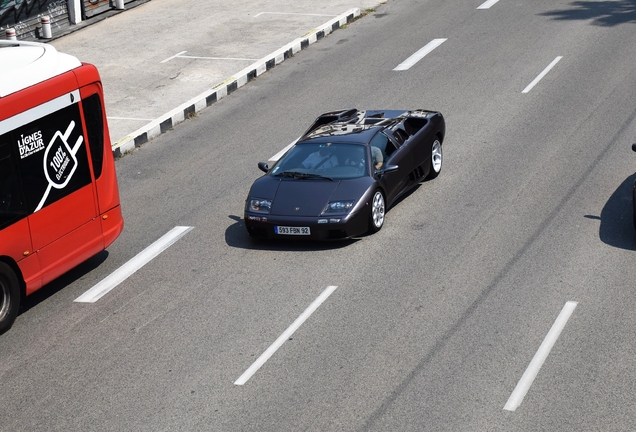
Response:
column 9, row 297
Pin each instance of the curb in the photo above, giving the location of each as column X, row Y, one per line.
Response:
column 184, row 111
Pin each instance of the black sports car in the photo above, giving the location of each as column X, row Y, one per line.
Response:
column 340, row 177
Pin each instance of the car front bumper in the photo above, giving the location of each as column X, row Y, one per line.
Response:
column 321, row 228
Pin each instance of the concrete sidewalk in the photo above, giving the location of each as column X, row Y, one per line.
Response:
column 167, row 59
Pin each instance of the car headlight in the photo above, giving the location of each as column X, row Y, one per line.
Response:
column 338, row 207
column 260, row 205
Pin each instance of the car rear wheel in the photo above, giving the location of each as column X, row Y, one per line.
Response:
column 9, row 297
column 436, row 159
column 378, row 211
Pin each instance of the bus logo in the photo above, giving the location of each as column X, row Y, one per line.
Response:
column 30, row 144
column 60, row 161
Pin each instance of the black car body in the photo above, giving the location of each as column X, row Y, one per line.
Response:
column 340, row 177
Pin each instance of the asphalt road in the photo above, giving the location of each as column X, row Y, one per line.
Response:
column 435, row 318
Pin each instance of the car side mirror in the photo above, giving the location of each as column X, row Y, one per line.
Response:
column 388, row 169
column 634, row 147
column 263, row 166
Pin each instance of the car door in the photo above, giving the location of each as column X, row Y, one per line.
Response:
column 394, row 180
column 414, row 149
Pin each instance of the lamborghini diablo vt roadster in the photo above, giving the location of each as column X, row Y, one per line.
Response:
column 340, row 177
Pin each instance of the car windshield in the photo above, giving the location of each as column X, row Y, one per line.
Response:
column 331, row 161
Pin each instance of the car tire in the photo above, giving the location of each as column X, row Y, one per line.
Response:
column 9, row 297
column 378, row 212
column 435, row 166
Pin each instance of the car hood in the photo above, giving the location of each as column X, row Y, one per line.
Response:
column 306, row 197
column 302, row 197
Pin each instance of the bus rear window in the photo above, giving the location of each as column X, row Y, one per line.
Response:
column 51, row 156
column 95, row 130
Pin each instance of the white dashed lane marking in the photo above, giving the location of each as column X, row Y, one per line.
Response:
column 487, row 4
column 419, row 55
column 140, row 260
column 285, row 336
column 537, row 361
column 541, row 75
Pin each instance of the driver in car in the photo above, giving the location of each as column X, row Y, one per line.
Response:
column 378, row 158
column 320, row 160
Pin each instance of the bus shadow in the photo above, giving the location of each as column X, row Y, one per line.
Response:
column 617, row 222
column 62, row 282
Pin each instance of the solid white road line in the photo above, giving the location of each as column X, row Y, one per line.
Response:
column 542, row 74
column 170, row 58
column 216, row 58
column 290, row 13
column 537, row 361
column 180, row 55
column 419, row 55
column 286, row 335
column 140, row 260
column 488, row 4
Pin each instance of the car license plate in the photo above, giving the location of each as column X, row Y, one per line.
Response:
column 292, row 230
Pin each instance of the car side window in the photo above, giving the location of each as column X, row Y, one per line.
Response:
column 400, row 136
column 390, row 149
column 382, row 142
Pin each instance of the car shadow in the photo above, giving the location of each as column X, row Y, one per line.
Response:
column 406, row 194
column 600, row 12
column 617, row 225
column 62, row 282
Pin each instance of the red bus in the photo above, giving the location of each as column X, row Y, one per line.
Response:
column 59, row 202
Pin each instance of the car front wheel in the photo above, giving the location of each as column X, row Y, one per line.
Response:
column 378, row 211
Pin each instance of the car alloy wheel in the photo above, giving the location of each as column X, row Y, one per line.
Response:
column 436, row 159
column 377, row 211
